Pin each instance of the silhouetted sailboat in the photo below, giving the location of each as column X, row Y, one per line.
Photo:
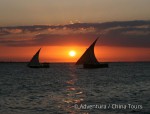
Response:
column 34, row 63
column 89, row 60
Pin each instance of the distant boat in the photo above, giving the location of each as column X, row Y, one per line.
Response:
column 34, row 63
column 89, row 60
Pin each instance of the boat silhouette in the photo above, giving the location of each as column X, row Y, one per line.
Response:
column 89, row 60
column 34, row 62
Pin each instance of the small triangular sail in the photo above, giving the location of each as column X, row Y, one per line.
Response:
column 88, row 57
column 35, row 59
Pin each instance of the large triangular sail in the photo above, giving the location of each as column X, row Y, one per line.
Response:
column 35, row 59
column 88, row 57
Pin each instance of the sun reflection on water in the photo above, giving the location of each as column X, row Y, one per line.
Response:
column 74, row 95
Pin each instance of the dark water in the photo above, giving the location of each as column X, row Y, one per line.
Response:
column 124, row 88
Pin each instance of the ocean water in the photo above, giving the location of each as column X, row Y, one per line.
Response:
column 123, row 88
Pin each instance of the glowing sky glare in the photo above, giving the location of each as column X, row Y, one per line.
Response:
column 125, row 38
column 30, row 12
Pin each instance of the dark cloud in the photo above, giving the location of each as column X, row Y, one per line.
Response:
column 123, row 33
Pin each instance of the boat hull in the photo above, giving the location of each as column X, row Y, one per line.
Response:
column 91, row 66
column 42, row 65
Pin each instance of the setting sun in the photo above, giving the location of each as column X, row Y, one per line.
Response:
column 72, row 53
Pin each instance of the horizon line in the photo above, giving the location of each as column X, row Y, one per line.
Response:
column 75, row 62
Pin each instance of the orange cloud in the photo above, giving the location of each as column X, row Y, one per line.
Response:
column 121, row 34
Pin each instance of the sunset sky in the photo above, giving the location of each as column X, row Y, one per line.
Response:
column 61, row 26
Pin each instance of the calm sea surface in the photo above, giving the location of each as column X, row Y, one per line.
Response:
column 124, row 88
